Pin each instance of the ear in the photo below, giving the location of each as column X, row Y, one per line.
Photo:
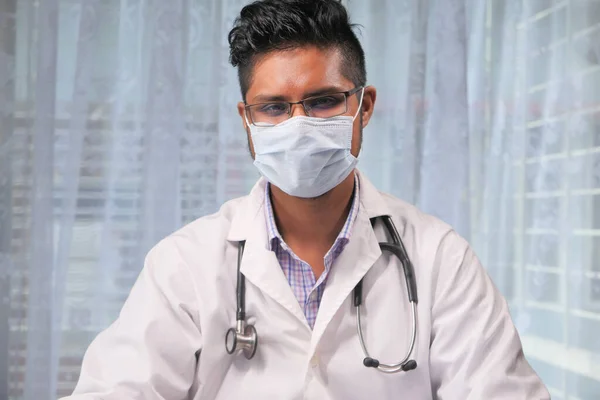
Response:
column 368, row 104
column 241, row 106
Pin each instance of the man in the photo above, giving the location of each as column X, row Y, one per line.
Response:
column 305, row 237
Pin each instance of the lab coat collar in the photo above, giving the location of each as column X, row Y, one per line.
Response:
column 371, row 202
column 261, row 268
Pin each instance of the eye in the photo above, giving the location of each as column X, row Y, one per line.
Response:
column 325, row 102
column 273, row 109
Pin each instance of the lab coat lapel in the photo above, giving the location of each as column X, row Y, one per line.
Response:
column 357, row 258
column 260, row 265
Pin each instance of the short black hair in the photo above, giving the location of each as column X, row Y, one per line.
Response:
column 275, row 25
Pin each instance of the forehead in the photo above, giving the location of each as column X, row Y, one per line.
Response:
column 292, row 74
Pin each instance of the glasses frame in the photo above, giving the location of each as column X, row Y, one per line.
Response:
column 346, row 94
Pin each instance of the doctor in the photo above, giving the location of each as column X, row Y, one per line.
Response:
column 305, row 239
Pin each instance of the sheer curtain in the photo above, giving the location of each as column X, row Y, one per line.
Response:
column 118, row 125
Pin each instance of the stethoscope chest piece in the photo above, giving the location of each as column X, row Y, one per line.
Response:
column 242, row 337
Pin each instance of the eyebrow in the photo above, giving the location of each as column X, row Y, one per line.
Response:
column 260, row 98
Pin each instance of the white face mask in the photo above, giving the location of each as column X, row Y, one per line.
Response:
column 305, row 156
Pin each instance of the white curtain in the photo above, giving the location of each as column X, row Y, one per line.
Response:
column 118, row 125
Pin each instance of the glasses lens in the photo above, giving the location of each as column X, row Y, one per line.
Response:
column 326, row 106
column 269, row 113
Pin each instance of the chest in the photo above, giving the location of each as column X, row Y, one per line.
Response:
column 294, row 361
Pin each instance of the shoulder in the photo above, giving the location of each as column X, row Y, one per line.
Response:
column 434, row 247
column 424, row 235
column 415, row 223
column 211, row 227
column 202, row 239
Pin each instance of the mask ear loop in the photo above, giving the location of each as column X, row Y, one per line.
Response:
column 362, row 95
column 246, row 118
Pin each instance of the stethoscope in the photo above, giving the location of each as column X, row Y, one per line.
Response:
column 243, row 337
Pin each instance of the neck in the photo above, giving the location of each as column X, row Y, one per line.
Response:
column 315, row 221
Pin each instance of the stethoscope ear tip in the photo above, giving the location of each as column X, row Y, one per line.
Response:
column 374, row 363
column 409, row 366
column 370, row 362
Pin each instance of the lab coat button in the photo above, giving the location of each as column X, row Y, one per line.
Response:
column 314, row 361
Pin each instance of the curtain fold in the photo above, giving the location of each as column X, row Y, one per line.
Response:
column 118, row 124
column 7, row 89
column 39, row 380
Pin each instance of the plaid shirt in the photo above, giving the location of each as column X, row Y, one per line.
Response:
column 299, row 274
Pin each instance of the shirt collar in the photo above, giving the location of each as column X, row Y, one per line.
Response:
column 343, row 236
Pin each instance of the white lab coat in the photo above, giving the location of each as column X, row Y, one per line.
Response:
column 169, row 340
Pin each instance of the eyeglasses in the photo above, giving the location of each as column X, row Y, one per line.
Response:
column 324, row 106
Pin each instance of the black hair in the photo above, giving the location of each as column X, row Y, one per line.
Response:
column 277, row 25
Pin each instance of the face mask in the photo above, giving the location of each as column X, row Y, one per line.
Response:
column 305, row 156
